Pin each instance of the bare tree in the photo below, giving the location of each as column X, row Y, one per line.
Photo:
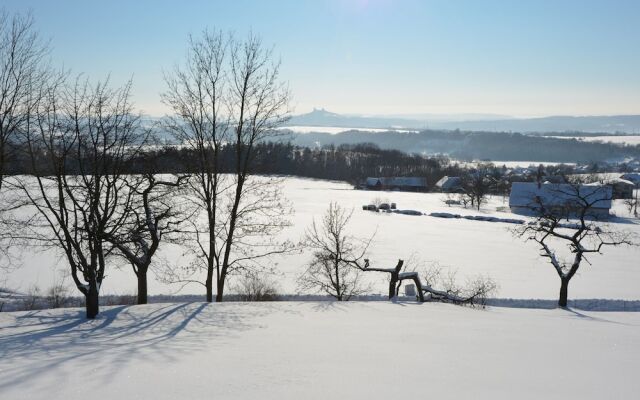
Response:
column 582, row 234
column 476, row 187
column 57, row 296
column 335, row 253
column 255, row 287
column 228, row 97
column 6, row 295
column 149, row 214
column 632, row 203
column 22, row 59
column 22, row 54
column 195, row 93
column 79, row 143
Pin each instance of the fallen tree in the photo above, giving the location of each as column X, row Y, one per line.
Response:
column 475, row 294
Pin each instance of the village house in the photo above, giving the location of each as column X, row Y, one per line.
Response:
column 449, row 184
column 531, row 198
column 406, row 184
column 633, row 177
column 622, row 188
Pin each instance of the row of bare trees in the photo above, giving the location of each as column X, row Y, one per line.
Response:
column 229, row 92
column 81, row 139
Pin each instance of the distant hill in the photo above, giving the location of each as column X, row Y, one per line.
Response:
column 321, row 117
column 476, row 122
column 606, row 124
column 466, row 145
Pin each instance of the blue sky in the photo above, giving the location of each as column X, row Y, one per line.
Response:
column 522, row 58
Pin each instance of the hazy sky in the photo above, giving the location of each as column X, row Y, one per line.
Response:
column 511, row 57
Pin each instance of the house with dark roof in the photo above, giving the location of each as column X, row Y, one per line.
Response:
column 633, row 177
column 449, row 184
column 407, row 184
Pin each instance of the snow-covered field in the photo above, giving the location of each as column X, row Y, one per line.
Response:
column 323, row 350
column 471, row 247
column 624, row 139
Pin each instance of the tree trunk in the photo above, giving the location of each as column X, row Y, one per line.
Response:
column 564, row 289
column 208, row 284
column 142, row 286
column 91, row 301
column 220, row 292
column 392, row 285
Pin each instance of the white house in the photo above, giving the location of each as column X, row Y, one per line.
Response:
column 531, row 197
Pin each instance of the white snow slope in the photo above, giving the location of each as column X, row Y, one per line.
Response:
column 323, row 350
column 471, row 247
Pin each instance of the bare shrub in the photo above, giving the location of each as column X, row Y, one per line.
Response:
column 473, row 291
column 30, row 301
column 632, row 204
column 256, row 287
column 121, row 300
column 58, row 295
column 6, row 296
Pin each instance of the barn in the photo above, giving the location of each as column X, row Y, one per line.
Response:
column 407, row 184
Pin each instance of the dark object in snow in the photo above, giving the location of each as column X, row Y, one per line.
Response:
column 478, row 218
column 410, row 290
column 407, row 212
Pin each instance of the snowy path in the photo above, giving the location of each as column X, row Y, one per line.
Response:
column 318, row 351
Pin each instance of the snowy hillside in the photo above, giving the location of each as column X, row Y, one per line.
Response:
column 320, row 350
column 470, row 247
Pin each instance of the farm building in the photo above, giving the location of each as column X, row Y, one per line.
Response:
column 407, row 184
column 449, row 184
column 622, row 188
column 632, row 177
column 531, row 197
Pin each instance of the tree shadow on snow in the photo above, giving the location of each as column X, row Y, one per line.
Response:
column 40, row 341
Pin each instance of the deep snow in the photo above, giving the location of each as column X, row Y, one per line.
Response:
column 470, row 247
column 325, row 350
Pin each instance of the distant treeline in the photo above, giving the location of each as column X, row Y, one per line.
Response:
column 501, row 146
column 351, row 163
column 578, row 134
column 346, row 162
